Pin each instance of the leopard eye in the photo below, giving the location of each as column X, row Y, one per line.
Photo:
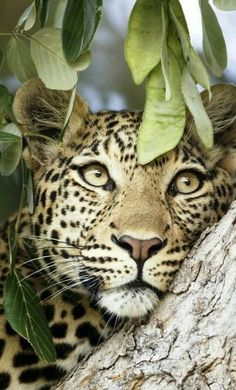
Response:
column 186, row 182
column 96, row 175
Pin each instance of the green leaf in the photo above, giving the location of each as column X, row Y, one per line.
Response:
column 164, row 54
column 193, row 62
column 19, row 59
column 30, row 193
column 143, row 43
column 44, row 12
column 12, row 246
column 213, row 41
column 79, row 24
column 178, row 11
column 8, row 137
column 26, row 316
column 69, row 112
column 225, row 5
column 28, row 18
column 163, row 121
column 10, row 151
column 194, row 103
column 1, row 57
column 6, row 100
column 52, row 68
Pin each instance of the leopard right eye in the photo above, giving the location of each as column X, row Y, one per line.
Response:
column 95, row 174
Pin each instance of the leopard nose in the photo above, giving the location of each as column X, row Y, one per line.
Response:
column 139, row 249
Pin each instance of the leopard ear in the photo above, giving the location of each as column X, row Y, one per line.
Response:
column 41, row 110
column 221, row 110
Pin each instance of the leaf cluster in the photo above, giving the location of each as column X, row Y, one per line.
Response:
column 158, row 49
column 56, row 55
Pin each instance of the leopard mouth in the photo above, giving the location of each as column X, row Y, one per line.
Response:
column 133, row 300
column 140, row 284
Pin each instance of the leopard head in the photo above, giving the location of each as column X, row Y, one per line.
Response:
column 106, row 226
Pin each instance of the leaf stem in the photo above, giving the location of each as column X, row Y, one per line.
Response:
column 23, row 195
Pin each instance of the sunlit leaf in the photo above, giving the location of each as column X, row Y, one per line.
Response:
column 26, row 316
column 80, row 22
column 194, row 103
column 52, row 68
column 10, row 151
column 6, row 100
column 175, row 46
column 194, row 64
column 144, row 38
column 56, row 9
column 24, row 16
column 19, row 59
column 178, row 11
column 31, row 19
column 164, row 54
column 225, row 5
column 163, row 121
column 213, row 41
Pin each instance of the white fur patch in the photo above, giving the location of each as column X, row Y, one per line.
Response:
column 128, row 302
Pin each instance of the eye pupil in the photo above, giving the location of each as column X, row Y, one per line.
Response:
column 98, row 174
column 187, row 182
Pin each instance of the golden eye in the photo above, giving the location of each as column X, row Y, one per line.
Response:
column 187, row 182
column 96, row 175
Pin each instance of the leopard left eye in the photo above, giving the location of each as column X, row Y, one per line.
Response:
column 186, row 182
column 95, row 175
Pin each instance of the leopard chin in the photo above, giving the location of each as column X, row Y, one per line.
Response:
column 128, row 302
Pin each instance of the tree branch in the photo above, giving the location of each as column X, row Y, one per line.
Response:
column 190, row 341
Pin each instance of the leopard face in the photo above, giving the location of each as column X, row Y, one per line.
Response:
column 107, row 227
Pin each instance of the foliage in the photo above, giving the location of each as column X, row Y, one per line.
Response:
column 157, row 49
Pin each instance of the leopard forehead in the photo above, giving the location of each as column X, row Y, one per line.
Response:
column 105, row 240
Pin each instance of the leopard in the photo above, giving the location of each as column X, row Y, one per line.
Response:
column 107, row 234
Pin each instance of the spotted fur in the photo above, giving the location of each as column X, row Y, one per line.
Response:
column 71, row 248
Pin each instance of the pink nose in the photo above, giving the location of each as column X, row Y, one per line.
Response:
column 140, row 249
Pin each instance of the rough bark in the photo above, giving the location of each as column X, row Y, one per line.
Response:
column 190, row 341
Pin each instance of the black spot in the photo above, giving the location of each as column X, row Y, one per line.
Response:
column 40, row 219
column 2, row 346
column 48, row 175
column 55, row 177
column 63, row 224
column 63, row 313
column 49, row 312
column 59, row 330
column 45, row 387
column 53, row 196
column 53, row 372
column 45, row 295
column 5, row 380
column 89, row 331
column 22, row 359
column 9, row 330
column 78, row 311
column 65, row 254
column 43, row 198
column 37, row 230
column 25, row 345
column 63, row 350
column 54, row 235
column 30, row 375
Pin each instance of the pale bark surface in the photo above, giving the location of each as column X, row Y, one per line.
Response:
column 190, row 341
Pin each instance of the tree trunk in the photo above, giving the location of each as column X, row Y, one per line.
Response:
column 190, row 341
